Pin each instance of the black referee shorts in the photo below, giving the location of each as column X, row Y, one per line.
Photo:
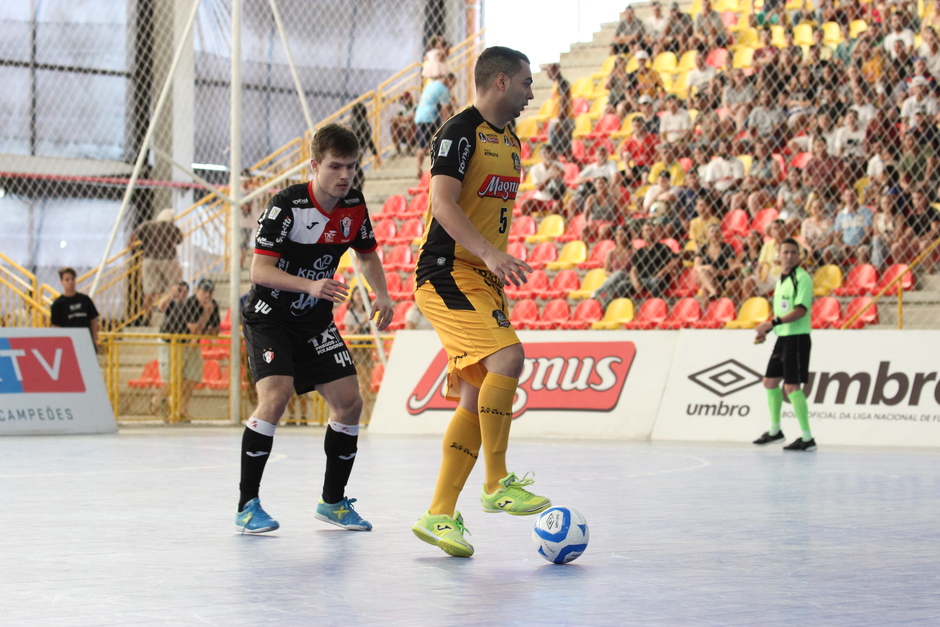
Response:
column 790, row 359
column 310, row 357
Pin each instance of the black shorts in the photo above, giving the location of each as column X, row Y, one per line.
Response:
column 790, row 359
column 310, row 357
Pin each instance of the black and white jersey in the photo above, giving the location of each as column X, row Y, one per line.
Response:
column 308, row 243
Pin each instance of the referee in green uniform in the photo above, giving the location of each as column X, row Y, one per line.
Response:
column 789, row 362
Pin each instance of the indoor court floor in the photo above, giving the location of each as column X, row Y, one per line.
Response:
column 137, row 529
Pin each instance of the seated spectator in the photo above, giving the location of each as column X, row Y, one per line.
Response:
column 679, row 30
column 706, row 216
column 921, row 228
column 766, row 54
column 884, row 127
column 792, row 197
column 850, row 145
column 616, row 85
column 766, row 121
column 738, row 97
column 820, row 127
column 356, row 321
column 617, row 265
column 675, row 125
column 816, row 230
column 654, row 264
column 740, row 288
column 602, row 167
column 914, row 159
column 843, row 51
column 802, row 100
column 661, row 203
column 852, row 227
column 920, row 101
column 655, row 26
column 603, row 210
column 898, row 34
column 823, row 51
column 829, row 103
column 434, row 106
column 870, row 60
column 920, row 70
column 562, row 126
column 701, row 157
column 759, row 187
column 827, row 174
column 639, row 150
column 548, row 176
column 715, row 264
column 880, row 157
column 929, row 49
column 686, row 198
column 667, row 163
column 885, row 230
column 768, row 264
column 861, row 103
column 772, row 13
column 630, row 32
column 699, row 78
column 434, row 66
column 932, row 18
column 645, row 104
column 724, row 172
column 403, row 125
column 710, row 31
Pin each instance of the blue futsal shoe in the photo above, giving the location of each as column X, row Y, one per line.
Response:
column 343, row 515
column 253, row 519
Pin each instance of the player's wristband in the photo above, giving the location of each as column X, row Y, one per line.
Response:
column 776, row 321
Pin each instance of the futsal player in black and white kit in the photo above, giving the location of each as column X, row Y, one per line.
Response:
column 290, row 337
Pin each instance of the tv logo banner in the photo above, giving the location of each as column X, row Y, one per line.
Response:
column 581, row 376
column 35, row 365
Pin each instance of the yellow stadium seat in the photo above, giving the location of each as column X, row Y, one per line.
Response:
column 527, row 184
column 777, row 37
column 606, row 67
column 666, row 62
column 695, row 8
column 571, row 255
column 686, row 61
column 535, row 158
column 747, row 37
column 856, row 27
column 345, row 262
column 746, row 161
column 693, row 114
column 527, row 128
column 803, row 34
column 597, row 107
column 826, row 279
column 860, row 186
column 638, row 195
column 550, row 227
column 547, row 110
column 743, row 57
column 592, row 280
column 752, row 312
column 681, row 86
column 632, row 65
column 668, row 80
column 619, row 310
column 626, row 129
column 918, row 40
column 832, row 35
column 583, row 88
column 582, row 125
column 726, row 5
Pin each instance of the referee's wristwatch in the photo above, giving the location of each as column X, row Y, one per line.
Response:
column 776, row 321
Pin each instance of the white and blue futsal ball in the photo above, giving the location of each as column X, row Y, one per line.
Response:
column 560, row 534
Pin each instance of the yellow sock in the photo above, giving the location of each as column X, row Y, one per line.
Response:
column 461, row 448
column 495, row 403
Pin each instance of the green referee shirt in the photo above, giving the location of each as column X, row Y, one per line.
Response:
column 792, row 290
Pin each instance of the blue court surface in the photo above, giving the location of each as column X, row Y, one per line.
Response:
column 137, row 529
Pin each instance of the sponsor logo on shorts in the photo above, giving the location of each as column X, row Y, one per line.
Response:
column 501, row 319
column 559, row 376
column 496, row 186
column 345, row 225
column 262, row 308
column 268, row 355
column 326, row 341
column 726, row 378
column 445, row 147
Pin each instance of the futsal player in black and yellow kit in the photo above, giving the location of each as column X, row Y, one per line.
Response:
column 461, row 270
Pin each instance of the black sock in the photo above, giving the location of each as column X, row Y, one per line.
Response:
column 256, row 449
column 340, row 451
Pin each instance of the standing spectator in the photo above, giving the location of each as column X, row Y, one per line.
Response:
column 159, row 268
column 171, row 305
column 602, row 167
column 434, row 106
column 654, row 263
column 434, row 66
column 630, row 31
column 548, row 176
column 363, row 130
column 617, row 268
column 403, row 124
column 74, row 309
column 562, row 126
column 701, row 77
column 710, row 31
column 675, row 125
column 898, row 33
column 853, row 227
column 201, row 316
column 356, row 321
column 603, row 210
column 679, row 30
column 715, row 264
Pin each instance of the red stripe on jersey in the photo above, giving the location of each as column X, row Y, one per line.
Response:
column 365, row 252
column 269, row 253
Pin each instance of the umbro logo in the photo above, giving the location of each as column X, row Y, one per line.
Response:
column 255, row 453
column 441, row 527
column 312, row 225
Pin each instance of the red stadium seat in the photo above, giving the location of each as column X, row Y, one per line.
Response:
column 522, row 227
column 394, row 206
column 542, row 254
column 892, row 273
column 400, row 257
column 578, row 151
column 800, row 160
column 572, row 172
column 536, row 284
column 393, row 281
column 861, row 280
column 410, row 230
column 339, row 315
column 384, row 231
column 763, row 219
column 601, row 141
column 573, row 231
column 524, row 312
column 735, row 224
column 684, row 285
column 564, row 282
column 579, row 106
column 398, row 318
column 717, row 58
column 417, row 207
column 404, row 289
column 672, row 244
column 685, row 313
column 518, row 250
column 686, row 164
column 150, row 378
column 863, row 304
column 587, row 312
column 211, row 376
column 651, row 313
column 378, row 373
column 825, row 313
column 424, row 183
column 225, row 328
column 609, row 123
column 598, row 255
column 555, row 313
column 717, row 314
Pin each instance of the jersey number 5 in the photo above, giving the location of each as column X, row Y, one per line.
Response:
column 503, row 219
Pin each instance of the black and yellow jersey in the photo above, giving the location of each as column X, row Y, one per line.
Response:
column 487, row 161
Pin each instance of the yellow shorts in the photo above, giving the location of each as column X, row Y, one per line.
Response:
column 467, row 307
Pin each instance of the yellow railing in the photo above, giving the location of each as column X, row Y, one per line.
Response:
column 206, row 224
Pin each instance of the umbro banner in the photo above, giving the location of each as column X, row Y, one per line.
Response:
column 50, row 383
